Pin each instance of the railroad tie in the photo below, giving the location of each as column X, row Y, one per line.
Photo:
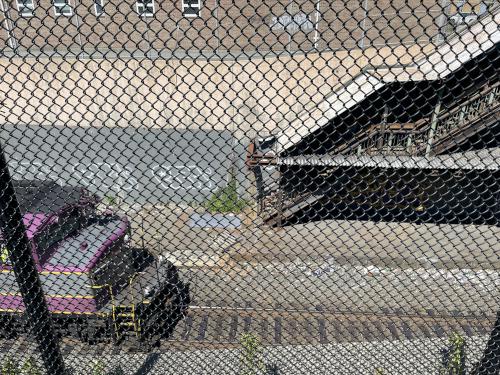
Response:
column 378, row 331
column 233, row 328
column 323, row 339
column 467, row 329
column 218, row 328
column 393, row 330
column 277, row 330
column 407, row 330
column 309, row 329
column 264, row 327
column 367, row 330
column 247, row 324
column 188, row 324
column 292, row 330
column 202, row 330
column 335, row 330
column 425, row 330
column 438, row 330
column 352, row 331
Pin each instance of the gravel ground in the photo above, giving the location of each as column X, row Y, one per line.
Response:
column 419, row 357
column 348, row 266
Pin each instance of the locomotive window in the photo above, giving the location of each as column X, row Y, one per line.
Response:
column 61, row 227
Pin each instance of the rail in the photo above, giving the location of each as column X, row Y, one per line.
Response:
column 412, row 139
column 393, row 138
column 458, row 124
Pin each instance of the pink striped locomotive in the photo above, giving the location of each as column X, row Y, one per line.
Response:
column 96, row 286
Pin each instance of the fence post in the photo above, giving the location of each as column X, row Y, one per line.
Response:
column 36, row 310
column 11, row 38
column 490, row 361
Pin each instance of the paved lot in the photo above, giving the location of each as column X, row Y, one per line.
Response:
column 388, row 244
column 404, row 245
column 353, row 289
column 340, row 265
column 167, row 230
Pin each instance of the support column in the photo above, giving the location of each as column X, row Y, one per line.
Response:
column 432, row 130
column 24, row 267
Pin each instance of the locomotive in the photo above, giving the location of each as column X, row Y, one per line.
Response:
column 97, row 287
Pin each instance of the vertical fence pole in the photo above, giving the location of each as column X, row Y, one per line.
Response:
column 36, row 310
column 11, row 38
column 490, row 361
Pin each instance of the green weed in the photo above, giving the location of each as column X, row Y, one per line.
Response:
column 251, row 354
column 226, row 200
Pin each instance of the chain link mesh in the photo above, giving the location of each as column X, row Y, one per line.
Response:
column 247, row 187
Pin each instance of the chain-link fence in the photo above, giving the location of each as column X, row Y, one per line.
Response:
column 247, row 187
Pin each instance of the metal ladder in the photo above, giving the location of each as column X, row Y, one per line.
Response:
column 124, row 316
column 124, row 320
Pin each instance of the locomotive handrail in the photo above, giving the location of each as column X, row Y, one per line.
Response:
column 131, row 280
column 103, row 286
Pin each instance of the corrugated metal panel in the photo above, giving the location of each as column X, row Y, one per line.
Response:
column 481, row 160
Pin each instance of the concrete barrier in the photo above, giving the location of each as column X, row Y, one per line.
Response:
column 136, row 164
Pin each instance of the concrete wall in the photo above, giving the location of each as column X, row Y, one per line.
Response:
column 138, row 165
column 241, row 96
column 89, row 121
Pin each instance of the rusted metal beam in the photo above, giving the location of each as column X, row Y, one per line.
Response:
column 255, row 157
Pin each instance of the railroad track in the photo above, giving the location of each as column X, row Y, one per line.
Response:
column 213, row 327
column 223, row 326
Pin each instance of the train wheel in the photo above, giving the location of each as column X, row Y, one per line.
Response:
column 8, row 328
column 91, row 332
column 74, row 330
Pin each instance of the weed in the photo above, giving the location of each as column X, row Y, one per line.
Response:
column 251, row 354
column 226, row 200
column 453, row 362
column 99, row 368
column 10, row 367
column 30, row 367
column 110, row 200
